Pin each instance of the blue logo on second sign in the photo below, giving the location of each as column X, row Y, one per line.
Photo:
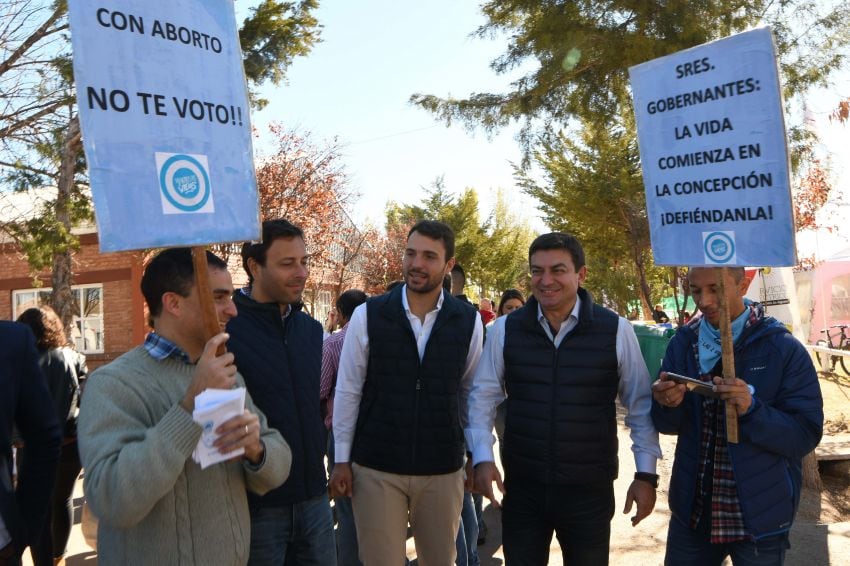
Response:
column 719, row 247
column 186, row 183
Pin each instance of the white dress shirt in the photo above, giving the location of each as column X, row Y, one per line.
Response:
column 633, row 390
column 354, row 361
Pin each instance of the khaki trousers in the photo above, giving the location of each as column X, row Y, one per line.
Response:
column 384, row 503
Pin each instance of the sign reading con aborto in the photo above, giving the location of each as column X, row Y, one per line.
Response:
column 714, row 157
column 164, row 114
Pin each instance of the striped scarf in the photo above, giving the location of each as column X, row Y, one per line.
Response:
column 727, row 520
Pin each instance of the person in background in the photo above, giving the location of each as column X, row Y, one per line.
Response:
column 25, row 405
column 458, row 276
column 64, row 371
column 331, row 323
column 659, row 316
column 735, row 499
column 486, row 310
column 346, row 532
column 511, row 300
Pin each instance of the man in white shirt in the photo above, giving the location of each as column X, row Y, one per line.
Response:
column 562, row 361
column 404, row 376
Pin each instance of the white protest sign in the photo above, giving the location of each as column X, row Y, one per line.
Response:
column 164, row 113
column 713, row 152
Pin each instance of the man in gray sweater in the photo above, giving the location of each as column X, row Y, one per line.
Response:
column 136, row 434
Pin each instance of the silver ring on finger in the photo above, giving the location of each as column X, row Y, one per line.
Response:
column 247, row 432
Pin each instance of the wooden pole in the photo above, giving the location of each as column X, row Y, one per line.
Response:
column 202, row 282
column 727, row 353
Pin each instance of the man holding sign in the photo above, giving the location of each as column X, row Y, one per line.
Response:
column 732, row 499
column 137, row 434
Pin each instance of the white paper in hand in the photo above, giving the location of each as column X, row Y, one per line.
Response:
column 213, row 407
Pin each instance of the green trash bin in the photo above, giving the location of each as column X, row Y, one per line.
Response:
column 653, row 342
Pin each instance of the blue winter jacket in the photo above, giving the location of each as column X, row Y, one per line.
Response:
column 784, row 424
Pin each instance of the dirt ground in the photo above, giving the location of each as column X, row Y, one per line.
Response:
column 820, row 536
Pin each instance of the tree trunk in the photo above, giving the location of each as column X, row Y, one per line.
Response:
column 62, row 299
column 633, row 222
column 811, row 475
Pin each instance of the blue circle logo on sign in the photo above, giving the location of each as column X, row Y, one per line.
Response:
column 184, row 183
column 719, row 247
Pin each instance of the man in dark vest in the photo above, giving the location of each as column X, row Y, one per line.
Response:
column 562, row 361
column 404, row 375
column 278, row 349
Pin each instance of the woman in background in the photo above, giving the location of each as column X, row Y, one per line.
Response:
column 63, row 369
column 511, row 300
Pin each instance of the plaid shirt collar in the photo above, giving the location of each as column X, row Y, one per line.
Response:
column 161, row 348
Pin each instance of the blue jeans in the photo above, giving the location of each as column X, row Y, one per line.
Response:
column 467, row 535
column 478, row 499
column 301, row 533
column 693, row 548
column 346, row 532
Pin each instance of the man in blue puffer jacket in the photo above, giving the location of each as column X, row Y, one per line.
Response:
column 736, row 500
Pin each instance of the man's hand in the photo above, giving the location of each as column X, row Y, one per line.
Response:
column 211, row 372
column 734, row 391
column 668, row 393
column 643, row 494
column 241, row 431
column 485, row 474
column 342, row 480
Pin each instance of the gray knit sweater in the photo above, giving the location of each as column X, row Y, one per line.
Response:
column 154, row 503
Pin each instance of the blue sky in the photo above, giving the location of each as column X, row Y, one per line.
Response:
column 355, row 86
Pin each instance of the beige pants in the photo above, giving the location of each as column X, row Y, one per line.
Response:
column 383, row 503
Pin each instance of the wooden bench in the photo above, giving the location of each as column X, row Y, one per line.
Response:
column 834, row 447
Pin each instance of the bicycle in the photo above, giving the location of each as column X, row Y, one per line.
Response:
column 827, row 361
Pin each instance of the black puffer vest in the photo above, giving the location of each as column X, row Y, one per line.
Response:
column 409, row 414
column 561, row 425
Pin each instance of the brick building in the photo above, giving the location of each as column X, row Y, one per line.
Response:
column 109, row 309
column 110, row 314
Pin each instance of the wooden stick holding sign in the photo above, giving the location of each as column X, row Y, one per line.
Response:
column 703, row 148
column 205, row 296
column 727, row 354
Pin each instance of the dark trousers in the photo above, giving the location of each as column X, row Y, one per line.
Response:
column 579, row 515
column 53, row 539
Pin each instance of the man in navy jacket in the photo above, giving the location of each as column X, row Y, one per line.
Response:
column 278, row 349
column 25, row 403
column 730, row 499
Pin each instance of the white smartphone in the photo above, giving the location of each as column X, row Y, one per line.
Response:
column 702, row 387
